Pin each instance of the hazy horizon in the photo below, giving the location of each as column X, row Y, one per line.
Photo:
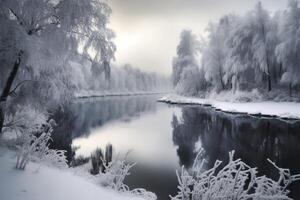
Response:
column 148, row 31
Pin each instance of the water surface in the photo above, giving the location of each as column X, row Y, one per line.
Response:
column 162, row 138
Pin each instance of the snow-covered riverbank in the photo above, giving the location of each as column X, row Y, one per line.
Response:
column 91, row 93
column 41, row 182
column 264, row 108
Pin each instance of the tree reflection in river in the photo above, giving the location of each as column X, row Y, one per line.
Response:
column 94, row 113
column 143, row 124
column 253, row 139
column 82, row 116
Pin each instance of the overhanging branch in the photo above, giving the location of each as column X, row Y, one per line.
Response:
column 13, row 91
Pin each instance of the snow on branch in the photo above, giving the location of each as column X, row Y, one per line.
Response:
column 34, row 146
column 236, row 180
column 114, row 175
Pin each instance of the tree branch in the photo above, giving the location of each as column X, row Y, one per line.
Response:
column 13, row 91
column 17, row 17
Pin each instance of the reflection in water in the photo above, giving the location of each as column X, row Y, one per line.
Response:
column 163, row 137
column 253, row 139
column 81, row 117
column 95, row 113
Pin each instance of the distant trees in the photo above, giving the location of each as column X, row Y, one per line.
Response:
column 288, row 50
column 254, row 51
column 187, row 51
column 128, row 78
column 215, row 52
column 124, row 79
column 261, row 41
column 187, row 77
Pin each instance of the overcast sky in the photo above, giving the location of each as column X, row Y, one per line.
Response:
column 148, row 30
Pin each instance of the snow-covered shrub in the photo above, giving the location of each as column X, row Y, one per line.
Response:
column 25, row 119
column 34, row 146
column 236, row 180
column 144, row 194
column 114, row 175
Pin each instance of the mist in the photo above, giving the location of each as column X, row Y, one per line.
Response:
column 148, row 31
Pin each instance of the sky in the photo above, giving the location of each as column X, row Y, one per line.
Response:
column 147, row 31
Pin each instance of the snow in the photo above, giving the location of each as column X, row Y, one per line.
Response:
column 270, row 108
column 95, row 93
column 240, row 180
column 40, row 182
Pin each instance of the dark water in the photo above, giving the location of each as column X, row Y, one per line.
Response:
column 162, row 138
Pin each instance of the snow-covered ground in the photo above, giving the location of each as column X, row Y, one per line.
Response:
column 278, row 109
column 94, row 93
column 39, row 182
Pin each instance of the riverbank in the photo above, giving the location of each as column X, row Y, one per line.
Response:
column 284, row 110
column 41, row 182
column 91, row 93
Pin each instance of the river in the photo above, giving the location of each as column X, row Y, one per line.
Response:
column 161, row 138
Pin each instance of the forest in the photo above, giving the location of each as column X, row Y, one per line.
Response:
column 255, row 52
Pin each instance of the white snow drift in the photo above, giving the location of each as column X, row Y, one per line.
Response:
column 40, row 182
column 279, row 109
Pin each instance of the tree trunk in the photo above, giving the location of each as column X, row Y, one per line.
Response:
column 221, row 79
column 269, row 83
column 2, row 110
column 269, row 75
column 290, row 89
column 7, row 88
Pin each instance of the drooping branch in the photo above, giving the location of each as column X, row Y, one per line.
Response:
column 13, row 91
column 16, row 16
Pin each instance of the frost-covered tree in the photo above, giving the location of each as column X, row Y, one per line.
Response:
column 214, row 54
column 187, row 50
column 240, row 57
column 262, row 47
column 250, row 49
column 38, row 38
column 191, row 81
column 250, row 44
column 288, row 51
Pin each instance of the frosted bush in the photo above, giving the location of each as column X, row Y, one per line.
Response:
column 115, row 174
column 25, row 119
column 144, row 194
column 236, row 180
column 34, row 146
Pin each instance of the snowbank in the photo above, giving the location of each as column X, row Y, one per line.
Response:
column 92, row 93
column 44, row 183
column 263, row 108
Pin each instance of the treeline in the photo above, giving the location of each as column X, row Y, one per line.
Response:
column 122, row 79
column 258, row 50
